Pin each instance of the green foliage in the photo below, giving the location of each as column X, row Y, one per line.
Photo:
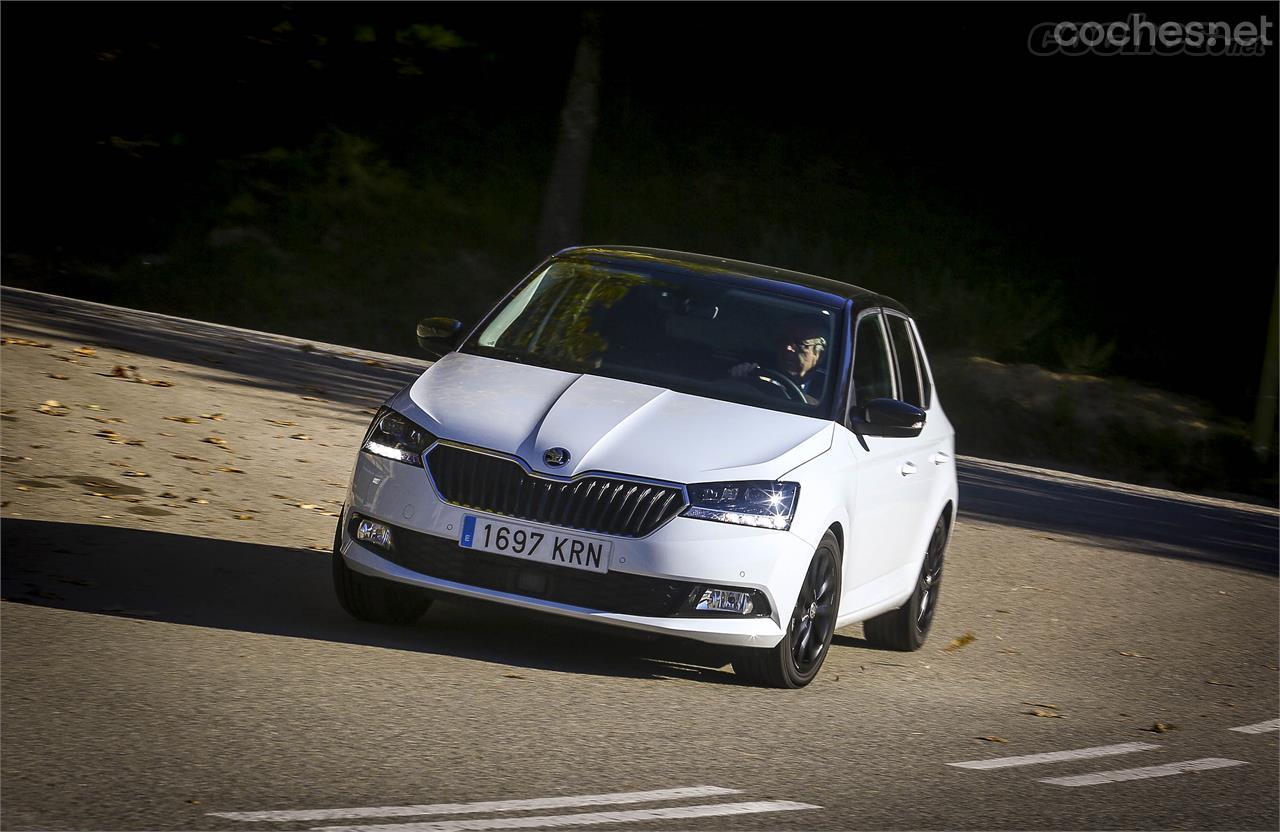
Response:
column 436, row 38
column 333, row 241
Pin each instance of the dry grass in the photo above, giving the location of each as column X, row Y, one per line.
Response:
column 1105, row 427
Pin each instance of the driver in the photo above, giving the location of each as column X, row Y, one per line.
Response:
column 797, row 356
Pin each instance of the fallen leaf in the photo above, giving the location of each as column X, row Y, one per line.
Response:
column 216, row 417
column 227, row 469
column 1041, row 705
column 301, row 436
column 156, row 382
column 189, row 458
column 511, row 676
column 135, row 474
column 1044, row 713
column 244, row 516
column 23, row 342
column 992, row 739
column 308, row 506
column 120, row 371
column 960, row 641
column 214, row 440
column 186, row 420
column 168, row 495
column 307, row 347
column 200, row 501
column 1161, row 728
column 373, row 362
column 284, row 423
column 1134, row 655
column 87, row 352
column 57, row 376
column 1219, row 684
column 23, row 488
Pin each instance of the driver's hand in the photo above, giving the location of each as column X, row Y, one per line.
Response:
column 743, row 369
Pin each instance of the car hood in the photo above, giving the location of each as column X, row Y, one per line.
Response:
column 606, row 424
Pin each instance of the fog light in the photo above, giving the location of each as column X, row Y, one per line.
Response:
column 375, row 533
column 725, row 600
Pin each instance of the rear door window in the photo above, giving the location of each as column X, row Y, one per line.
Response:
column 910, row 370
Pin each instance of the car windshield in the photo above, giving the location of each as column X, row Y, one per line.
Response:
column 716, row 337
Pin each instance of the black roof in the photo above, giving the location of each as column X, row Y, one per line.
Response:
column 784, row 279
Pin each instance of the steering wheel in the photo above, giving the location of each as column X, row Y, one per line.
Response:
column 774, row 379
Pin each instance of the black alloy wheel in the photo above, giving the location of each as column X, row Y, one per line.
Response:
column 795, row 660
column 907, row 627
column 931, row 577
column 814, row 618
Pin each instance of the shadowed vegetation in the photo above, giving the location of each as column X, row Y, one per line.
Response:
column 339, row 172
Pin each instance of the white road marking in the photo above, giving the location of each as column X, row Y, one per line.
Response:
column 1057, row 756
column 482, row 806
column 582, row 819
column 1098, row 778
column 1259, row 727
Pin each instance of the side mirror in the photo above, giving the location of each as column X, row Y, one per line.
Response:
column 892, row 418
column 438, row 336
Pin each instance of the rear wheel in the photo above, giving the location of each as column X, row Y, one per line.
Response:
column 374, row 599
column 796, row 659
column 907, row 627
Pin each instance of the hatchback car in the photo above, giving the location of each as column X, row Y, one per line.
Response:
column 668, row 442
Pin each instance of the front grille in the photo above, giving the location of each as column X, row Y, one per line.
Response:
column 595, row 504
column 618, row 592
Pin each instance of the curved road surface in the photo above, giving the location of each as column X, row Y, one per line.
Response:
column 1105, row 655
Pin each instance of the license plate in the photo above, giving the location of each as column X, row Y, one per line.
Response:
column 539, row 545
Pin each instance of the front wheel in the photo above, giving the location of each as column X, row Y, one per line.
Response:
column 796, row 659
column 907, row 627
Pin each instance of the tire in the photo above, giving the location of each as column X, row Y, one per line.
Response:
column 906, row 628
column 797, row 658
column 374, row 599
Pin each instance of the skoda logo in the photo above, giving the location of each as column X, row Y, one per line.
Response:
column 555, row 457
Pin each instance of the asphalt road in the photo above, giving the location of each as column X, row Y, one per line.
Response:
column 173, row 659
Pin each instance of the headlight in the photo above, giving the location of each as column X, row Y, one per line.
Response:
column 395, row 437
column 769, row 505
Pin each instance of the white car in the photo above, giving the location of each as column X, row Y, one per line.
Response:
column 667, row 442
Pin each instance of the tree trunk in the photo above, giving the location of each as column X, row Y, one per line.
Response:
column 566, row 189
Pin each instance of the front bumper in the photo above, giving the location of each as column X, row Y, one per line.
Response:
column 650, row 575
